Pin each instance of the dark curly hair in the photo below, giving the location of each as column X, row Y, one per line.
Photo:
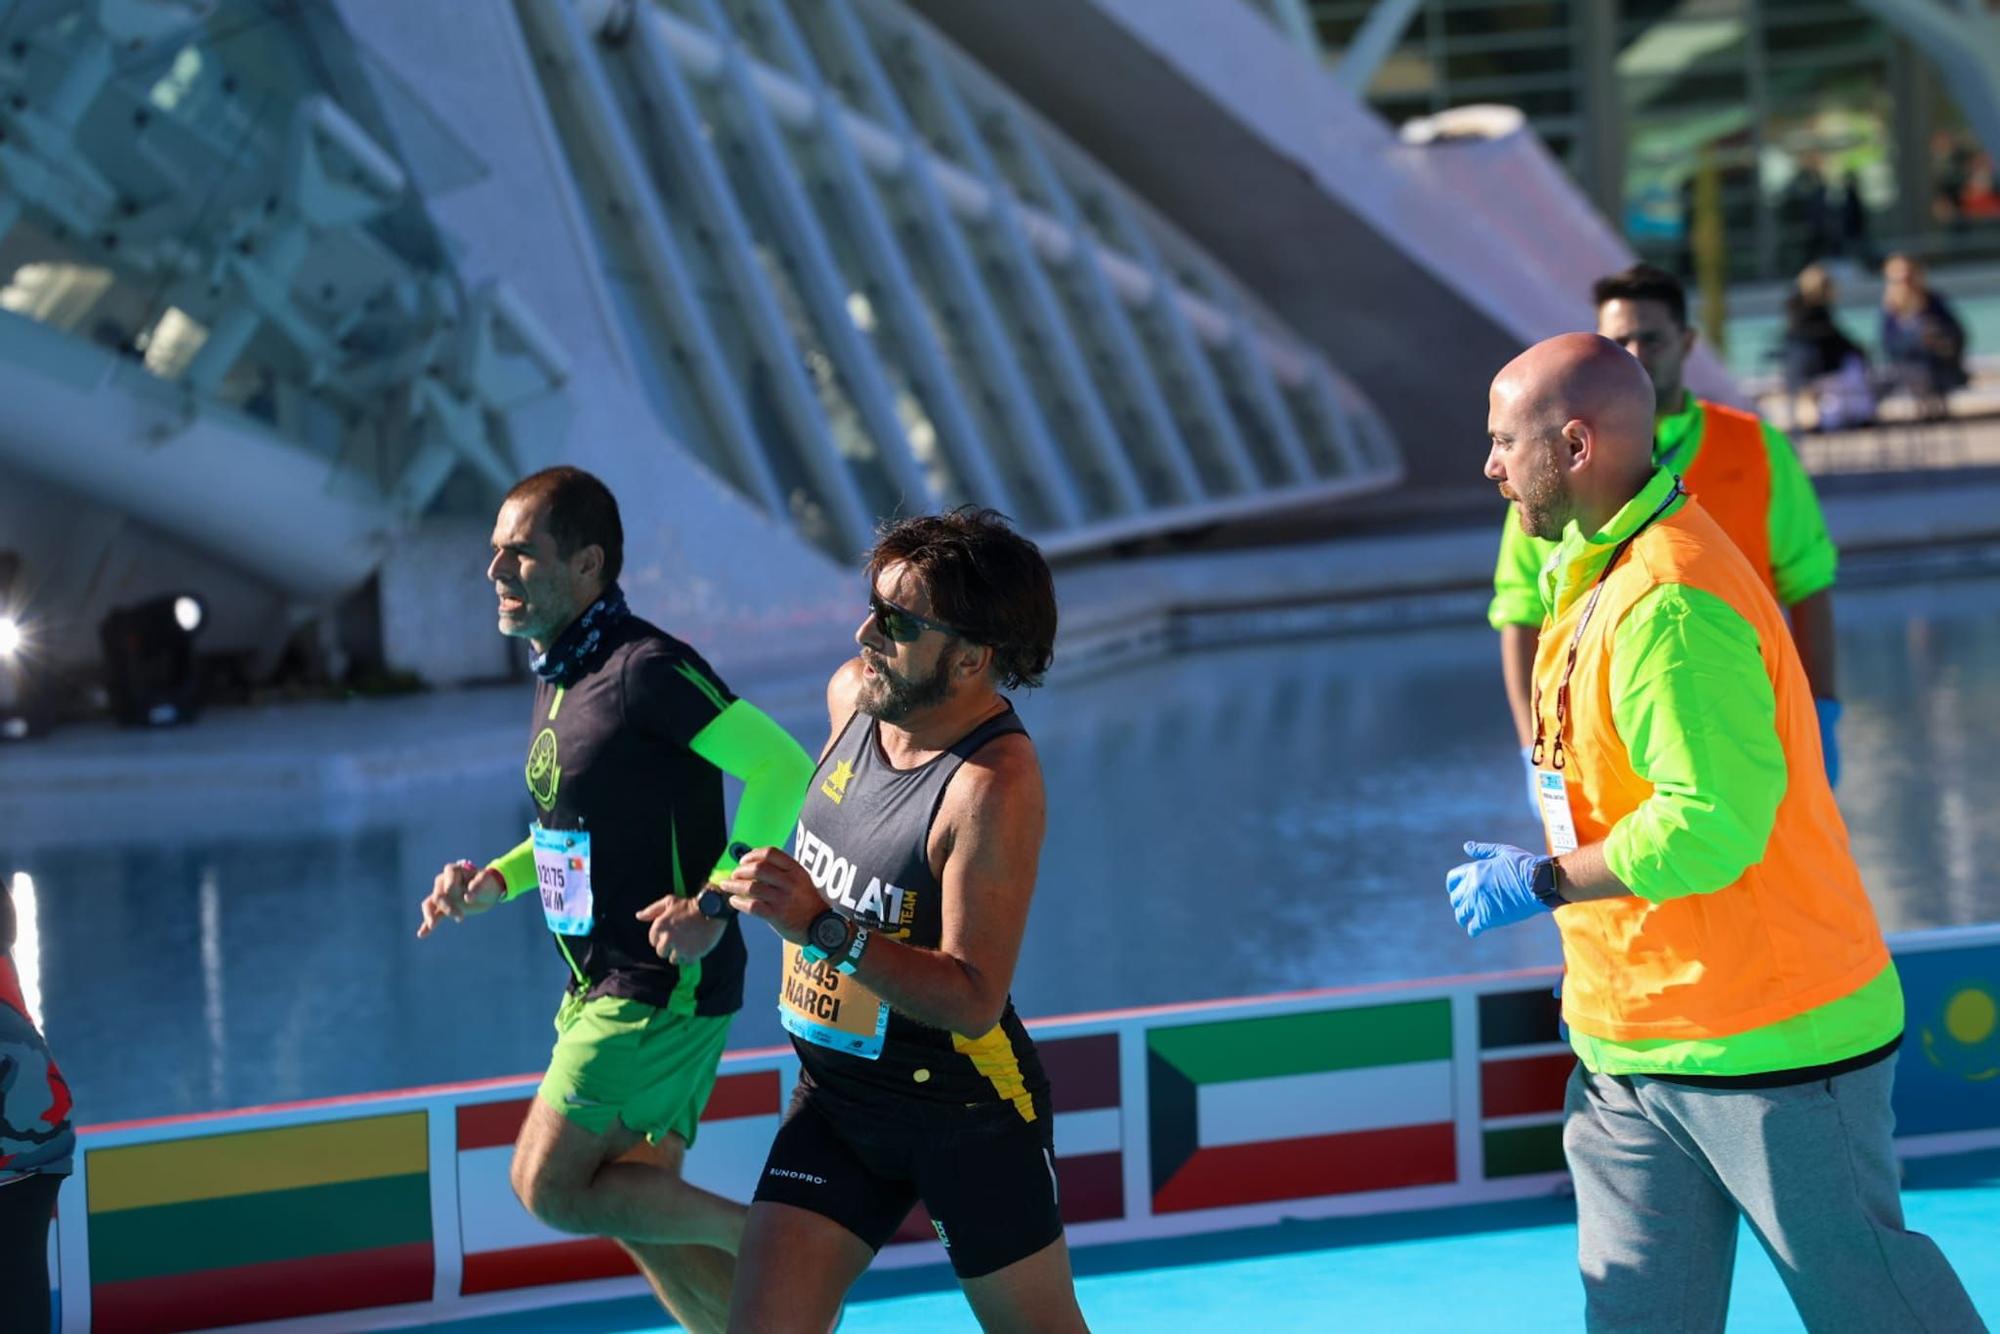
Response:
column 984, row 579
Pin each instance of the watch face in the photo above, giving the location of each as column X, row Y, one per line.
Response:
column 1544, row 885
column 828, row 931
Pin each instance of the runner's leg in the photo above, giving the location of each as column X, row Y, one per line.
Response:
column 991, row 1188
column 575, row 1181
column 622, row 1070
column 825, row 1204
column 1032, row 1296
column 794, row 1271
column 693, row 1282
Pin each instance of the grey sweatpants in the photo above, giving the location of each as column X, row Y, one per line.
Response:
column 1663, row 1170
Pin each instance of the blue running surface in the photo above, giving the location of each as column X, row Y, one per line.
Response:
column 1492, row 1268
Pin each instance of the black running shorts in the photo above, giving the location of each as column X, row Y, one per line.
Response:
column 986, row 1177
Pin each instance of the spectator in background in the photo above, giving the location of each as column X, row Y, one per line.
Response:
column 1951, row 168
column 1854, row 242
column 1806, row 216
column 1820, row 359
column 1922, row 339
column 37, row 1145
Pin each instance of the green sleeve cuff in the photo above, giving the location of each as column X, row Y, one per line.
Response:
column 745, row 743
column 1517, row 576
column 1804, row 560
column 1698, row 718
column 517, row 867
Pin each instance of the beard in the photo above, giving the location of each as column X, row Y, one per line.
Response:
column 892, row 697
column 534, row 621
column 1543, row 499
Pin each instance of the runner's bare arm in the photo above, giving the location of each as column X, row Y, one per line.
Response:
column 989, row 835
column 987, row 843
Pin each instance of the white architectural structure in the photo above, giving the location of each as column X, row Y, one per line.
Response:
column 291, row 295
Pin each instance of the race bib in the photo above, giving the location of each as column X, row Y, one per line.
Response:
column 1557, row 823
column 562, row 871
column 817, row 1003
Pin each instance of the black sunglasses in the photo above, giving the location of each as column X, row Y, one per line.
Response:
column 906, row 627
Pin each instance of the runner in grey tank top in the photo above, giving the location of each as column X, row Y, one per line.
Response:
column 864, row 837
column 901, row 908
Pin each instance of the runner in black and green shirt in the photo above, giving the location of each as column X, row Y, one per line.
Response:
column 630, row 737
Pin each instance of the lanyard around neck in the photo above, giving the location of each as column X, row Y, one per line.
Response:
column 1556, row 758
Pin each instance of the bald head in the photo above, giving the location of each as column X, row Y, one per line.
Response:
column 1581, row 377
column 1571, row 424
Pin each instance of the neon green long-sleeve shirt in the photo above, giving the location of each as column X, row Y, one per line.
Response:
column 1692, row 701
column 744, row 742
column 1803, row 558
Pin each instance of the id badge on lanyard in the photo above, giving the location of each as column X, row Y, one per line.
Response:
column 562, row 872
column 1551, row 794
column 1558, row 825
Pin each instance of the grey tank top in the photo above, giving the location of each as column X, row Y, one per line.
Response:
column 864, row 837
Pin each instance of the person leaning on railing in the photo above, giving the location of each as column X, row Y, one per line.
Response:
column 37, row 1146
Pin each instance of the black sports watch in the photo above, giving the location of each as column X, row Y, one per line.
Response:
column 828, row 936
column 1547, row 884
column 714, row 902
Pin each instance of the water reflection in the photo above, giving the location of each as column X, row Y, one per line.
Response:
column 1257, row 820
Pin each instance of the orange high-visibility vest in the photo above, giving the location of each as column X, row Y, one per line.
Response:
column 1796, row 930
column 1731, row 477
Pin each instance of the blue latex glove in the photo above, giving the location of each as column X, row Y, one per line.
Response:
column 1829, row 737
column 1495, row 888
column 1534, row 793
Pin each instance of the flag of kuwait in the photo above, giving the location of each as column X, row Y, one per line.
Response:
column 1298, row 1105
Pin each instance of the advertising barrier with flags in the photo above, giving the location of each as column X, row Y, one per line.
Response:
column 1168, row 1121
column 1292, row 1106
column 242, row 1225
column 1949, row 1077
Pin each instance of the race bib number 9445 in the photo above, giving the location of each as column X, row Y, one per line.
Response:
column 818, row 1003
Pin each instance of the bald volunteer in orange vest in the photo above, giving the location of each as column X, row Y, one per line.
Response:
column 1729, row 996
column 1741, row 469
